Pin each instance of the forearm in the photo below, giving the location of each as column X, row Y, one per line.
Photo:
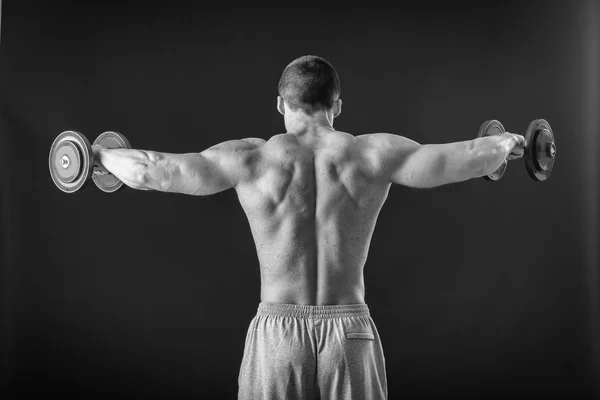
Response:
column 489, row 152
column 132, row 167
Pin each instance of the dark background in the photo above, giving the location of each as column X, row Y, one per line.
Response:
column 477, row 289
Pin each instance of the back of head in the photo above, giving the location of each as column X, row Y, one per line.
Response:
column 309, row 83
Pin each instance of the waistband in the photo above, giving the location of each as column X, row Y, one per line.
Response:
column 302, row 311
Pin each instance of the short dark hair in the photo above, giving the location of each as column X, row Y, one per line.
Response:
column 309, row 83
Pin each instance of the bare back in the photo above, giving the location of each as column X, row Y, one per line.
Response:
column 312, row 209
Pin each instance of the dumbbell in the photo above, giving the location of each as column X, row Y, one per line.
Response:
column 72, row 161
column 539, row 153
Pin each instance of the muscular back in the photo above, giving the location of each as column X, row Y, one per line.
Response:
column 312, row 206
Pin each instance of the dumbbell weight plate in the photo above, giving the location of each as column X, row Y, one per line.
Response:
column 490, row 128
column 70, row 161
column 540, row 150
column 111, row 140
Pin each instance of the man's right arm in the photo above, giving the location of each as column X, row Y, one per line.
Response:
column 403, row 161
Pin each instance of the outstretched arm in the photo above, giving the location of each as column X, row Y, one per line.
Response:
column 217, row 168
column 400, row 160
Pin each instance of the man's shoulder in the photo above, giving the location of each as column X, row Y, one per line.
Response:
column 255, row 141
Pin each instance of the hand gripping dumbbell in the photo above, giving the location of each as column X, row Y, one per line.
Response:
column 72, row 161
column 539, row 153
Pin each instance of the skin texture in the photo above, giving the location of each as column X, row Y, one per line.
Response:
column 312, row 196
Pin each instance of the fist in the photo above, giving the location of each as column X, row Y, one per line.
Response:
column 98, row 168
column 518, row 148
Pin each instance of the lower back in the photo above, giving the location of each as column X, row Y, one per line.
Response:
column 305, row 293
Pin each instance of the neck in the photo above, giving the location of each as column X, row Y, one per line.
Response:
column 300, row 123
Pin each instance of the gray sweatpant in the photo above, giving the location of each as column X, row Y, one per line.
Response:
column 312, row 352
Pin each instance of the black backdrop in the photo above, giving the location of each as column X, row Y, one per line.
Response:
column 476, row 288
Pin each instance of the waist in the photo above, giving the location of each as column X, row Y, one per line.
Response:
column 313, row 312
column 301, row 291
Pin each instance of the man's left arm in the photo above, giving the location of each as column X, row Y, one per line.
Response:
column 217, row 168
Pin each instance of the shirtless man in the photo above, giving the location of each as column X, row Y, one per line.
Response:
column 312, row 197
